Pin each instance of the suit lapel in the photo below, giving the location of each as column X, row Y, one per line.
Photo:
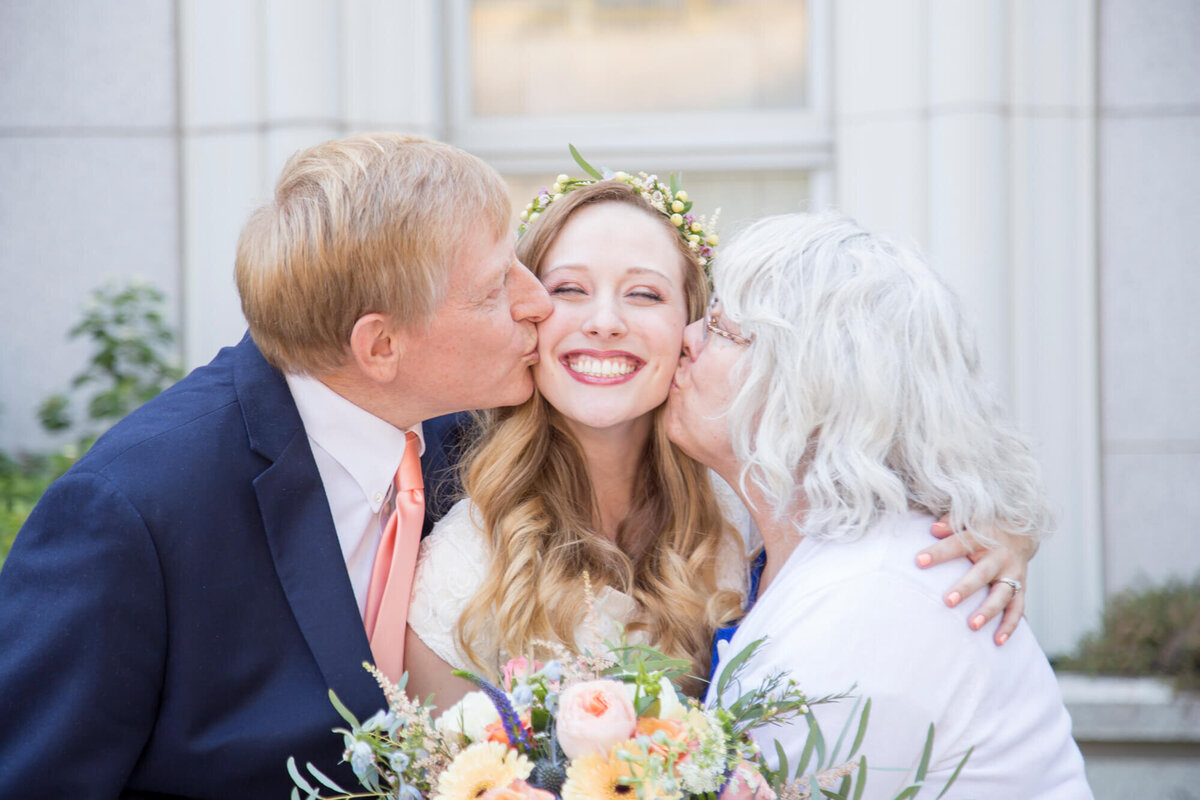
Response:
column 301, row 534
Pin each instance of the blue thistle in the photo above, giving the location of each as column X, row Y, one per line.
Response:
column 508, row 717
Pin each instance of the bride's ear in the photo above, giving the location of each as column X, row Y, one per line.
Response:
column 376, row 346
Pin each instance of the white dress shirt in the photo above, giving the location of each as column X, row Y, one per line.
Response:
column 357, row 455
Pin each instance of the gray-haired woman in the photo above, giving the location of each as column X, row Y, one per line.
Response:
column 834, row 384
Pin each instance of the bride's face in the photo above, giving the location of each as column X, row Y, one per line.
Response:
column 609, row 349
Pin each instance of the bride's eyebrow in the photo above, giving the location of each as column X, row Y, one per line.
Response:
column 648, row 271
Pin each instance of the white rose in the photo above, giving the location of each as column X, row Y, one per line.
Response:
column 669, row 705
column 469, row 717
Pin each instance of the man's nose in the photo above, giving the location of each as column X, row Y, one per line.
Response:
column 529, row 299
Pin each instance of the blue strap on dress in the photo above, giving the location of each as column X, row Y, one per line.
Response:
column 726, row 633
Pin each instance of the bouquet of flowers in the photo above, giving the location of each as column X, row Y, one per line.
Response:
column 581, row 727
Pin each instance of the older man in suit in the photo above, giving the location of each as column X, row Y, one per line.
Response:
column 178, row 604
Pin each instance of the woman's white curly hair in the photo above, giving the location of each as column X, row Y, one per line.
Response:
column 861, row 395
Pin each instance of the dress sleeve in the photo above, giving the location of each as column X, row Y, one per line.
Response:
column 733, row 571
column 451, row 566
column 736, row 514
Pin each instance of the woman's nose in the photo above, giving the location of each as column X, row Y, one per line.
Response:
column 605, row 320
column 693, row 339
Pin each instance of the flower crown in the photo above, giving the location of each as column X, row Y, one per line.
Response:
column 670, row 200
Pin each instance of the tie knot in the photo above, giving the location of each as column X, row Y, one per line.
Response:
column 408, row 476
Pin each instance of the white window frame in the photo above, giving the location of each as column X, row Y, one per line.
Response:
column 751, row 140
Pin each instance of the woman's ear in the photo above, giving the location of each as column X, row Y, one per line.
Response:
column 376, row 345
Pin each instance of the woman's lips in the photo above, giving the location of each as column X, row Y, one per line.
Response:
column 601, row 367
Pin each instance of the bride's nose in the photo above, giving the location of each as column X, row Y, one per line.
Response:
column 605, row 320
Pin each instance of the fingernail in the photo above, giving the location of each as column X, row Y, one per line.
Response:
column 924, row 560
column 1002, row 638
column 977, row 622
column 941, row 526
column 953, row 598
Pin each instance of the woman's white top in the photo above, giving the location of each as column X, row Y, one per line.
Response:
column 861, row 612
column 453, row 562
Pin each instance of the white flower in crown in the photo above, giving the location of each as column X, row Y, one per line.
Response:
column 670, row 201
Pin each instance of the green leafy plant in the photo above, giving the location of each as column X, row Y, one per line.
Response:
column 132, row 360
column 1150, row 631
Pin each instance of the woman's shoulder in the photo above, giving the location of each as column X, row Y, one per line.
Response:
column 459, row 531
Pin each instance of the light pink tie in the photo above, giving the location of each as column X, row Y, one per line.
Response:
column 395, row 563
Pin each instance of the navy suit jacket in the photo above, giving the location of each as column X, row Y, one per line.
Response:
column 177, row 607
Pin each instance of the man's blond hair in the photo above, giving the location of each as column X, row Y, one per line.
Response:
column 370, row 223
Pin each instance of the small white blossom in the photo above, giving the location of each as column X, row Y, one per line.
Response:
column 361, row 758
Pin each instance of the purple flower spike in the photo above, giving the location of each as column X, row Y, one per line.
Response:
column 512, row 723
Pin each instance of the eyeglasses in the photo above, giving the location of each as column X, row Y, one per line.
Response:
column 712, row 311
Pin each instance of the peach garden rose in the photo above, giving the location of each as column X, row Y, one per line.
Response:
column 593, row 716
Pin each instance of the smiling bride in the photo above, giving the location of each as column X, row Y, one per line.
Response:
column 582, row 478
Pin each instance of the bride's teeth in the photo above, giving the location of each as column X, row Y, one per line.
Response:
column 601, row 368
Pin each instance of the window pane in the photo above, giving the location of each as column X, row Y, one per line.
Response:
column 741, row 196
column 626, row 56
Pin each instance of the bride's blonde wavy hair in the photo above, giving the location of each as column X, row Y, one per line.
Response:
column 534, row 500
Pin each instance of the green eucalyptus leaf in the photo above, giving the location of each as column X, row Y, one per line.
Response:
column 819, row 744
column 923, row 767
column 734, row 666
column 344, row 712
column 583, row 165
column 837, row 747
column 957, row 770
column 325, row 780
column 860, row 782
column 783, row 760
column 810, row 745
column 297, row 778
column 862, row 729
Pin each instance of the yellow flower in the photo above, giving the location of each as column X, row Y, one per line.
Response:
column 677, row 206
column 480, row 767
column 694, row 238
column 681, row 195
column 598, row 777
column 677, row 220
column 712, row 239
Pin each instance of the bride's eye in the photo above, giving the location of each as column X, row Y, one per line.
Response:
column 646, row 294
column 566, row 289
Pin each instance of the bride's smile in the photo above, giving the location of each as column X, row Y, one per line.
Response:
column 589, row 366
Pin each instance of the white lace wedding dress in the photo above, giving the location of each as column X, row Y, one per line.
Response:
column 453, row 562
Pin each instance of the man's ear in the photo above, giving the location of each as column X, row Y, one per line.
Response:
column 376, row 345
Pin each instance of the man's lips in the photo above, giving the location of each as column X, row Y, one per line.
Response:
column 601, row 366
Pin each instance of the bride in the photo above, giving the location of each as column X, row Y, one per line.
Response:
column 582, row 476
